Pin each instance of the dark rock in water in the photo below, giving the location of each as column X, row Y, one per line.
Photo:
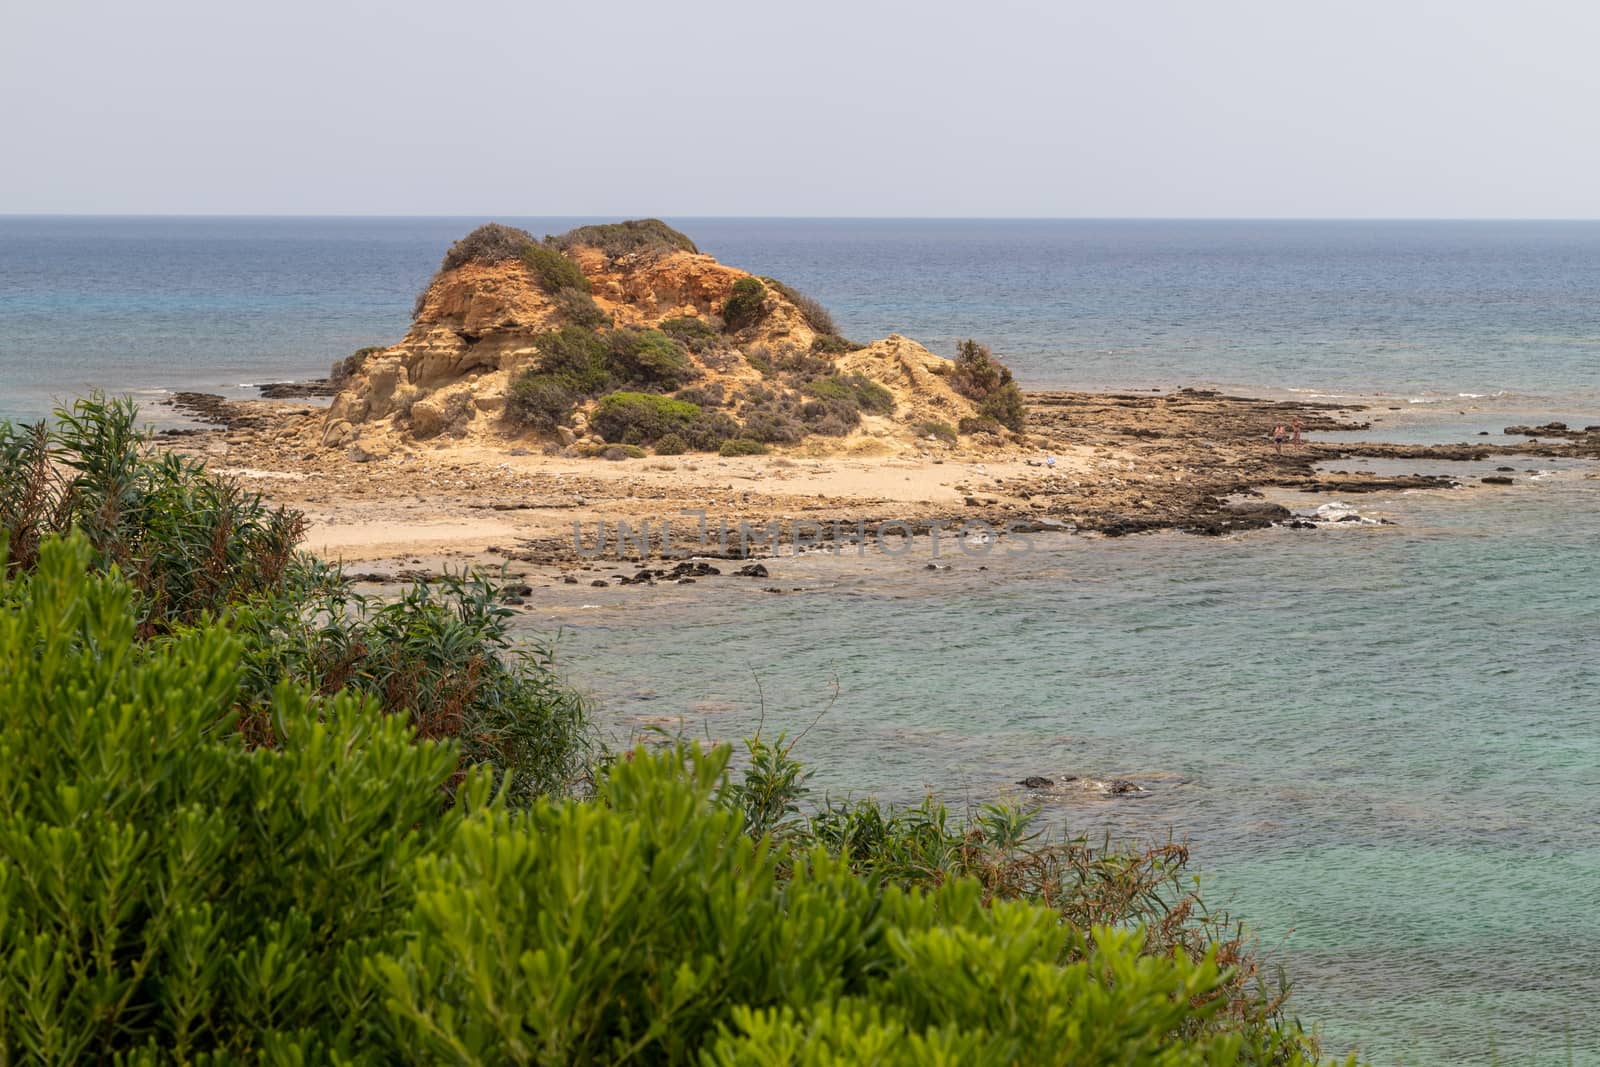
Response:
column 599, row 583
column 1300, row 524
column 517, row 590
column 512, row 600
column 298, row 390
column 1121, row 786
column 753, row 570
column 1505, row 470
column 687, row 569
column 1033, row 781
column 1498, row 479
column 1348, row 518
column 570, row 579
column 1483, row 433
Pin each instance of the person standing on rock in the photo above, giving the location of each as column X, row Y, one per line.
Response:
column 1296, row 439
column 1278, row 434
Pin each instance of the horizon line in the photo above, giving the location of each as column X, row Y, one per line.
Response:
column 794, row 218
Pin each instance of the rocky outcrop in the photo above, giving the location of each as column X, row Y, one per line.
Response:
column 479, row 326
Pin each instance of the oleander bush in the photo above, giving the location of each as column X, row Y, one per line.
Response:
column 745, row 306
column 191, row 543
column 171, row 891
column 193, row 547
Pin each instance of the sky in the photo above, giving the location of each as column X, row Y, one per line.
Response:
column 968, row 108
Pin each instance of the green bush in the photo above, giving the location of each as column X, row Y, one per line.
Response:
column 857, row 389
column 977, row 424
column 760, row 357
column 745, row 306
column 623, row 451
column 979, row 377
column 709, row 429
column 672, row 445
column 440, row 655
column 833, row 345
column 579, row 308
column 554, row 271
column 542, row 401
column 649, row 357
column 489, row 244
column 576, row 357
column 169, row 892
column 742, row 446
column 830, row 418
column 192, row 543
column 617, row 239
column 166, row 892
column 695, row 334
column 1005, row 406
column 942, row 430
column 351, row 365
column 653, row 417
column 706, row 396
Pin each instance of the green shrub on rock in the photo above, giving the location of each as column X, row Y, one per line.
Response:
column 651, row 416
column 649, row 357
column 351, row 365
column 672, row 445
column 695, row 334
column 543, row 401
column 1005, row 406
column 616, row 239
column 742, row 446
column 857, row 389
column 579, row 308
column 745, row 306
column 555, row 271
column 981, row 378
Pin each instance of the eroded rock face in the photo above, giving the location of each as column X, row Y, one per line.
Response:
column 478, row 324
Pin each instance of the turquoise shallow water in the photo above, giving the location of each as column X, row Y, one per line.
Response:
column 1383, row 743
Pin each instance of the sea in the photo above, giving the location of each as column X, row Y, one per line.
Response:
column 1381, row 741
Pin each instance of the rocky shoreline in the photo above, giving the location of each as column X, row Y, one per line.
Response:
column 1193, row 461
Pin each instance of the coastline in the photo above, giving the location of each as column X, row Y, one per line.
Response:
column 1106, row 464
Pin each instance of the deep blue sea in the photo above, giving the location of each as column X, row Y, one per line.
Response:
column 1381, row 742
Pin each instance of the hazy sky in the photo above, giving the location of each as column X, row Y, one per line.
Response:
column 974, row 108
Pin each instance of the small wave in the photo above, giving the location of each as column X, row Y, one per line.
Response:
column 1422, row 400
